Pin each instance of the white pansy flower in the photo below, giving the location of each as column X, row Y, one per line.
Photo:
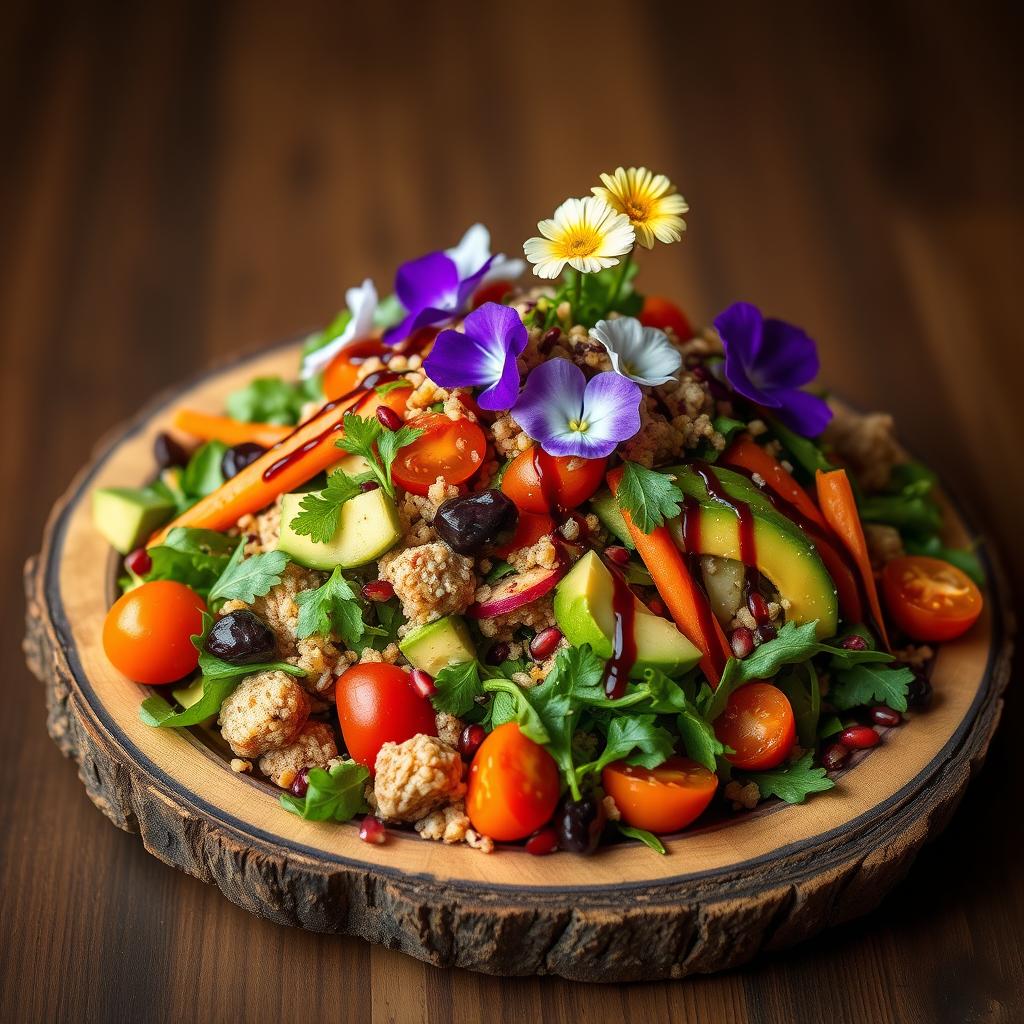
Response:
column 643, row 354
column 362, row 305
column 474, row 250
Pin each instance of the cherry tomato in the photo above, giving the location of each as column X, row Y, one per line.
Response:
column 377, row 705
column 342, row 370
column 493, row 292
column 659, row 312
column 513, row 785
column 538, row 482
column 147, row 633
column 758, row 724
column 453, row 449
column 662, row 799
column 529, row 529
column 930, row 599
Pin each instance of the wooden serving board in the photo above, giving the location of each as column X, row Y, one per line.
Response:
column 757, row 881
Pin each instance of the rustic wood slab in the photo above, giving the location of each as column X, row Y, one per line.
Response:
column 759, row 881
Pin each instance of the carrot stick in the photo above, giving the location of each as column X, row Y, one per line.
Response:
column 222, row 428
column 684, row 599
column 313, row 448
column 835, row 495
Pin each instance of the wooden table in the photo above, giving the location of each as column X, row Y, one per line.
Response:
column 184, row 181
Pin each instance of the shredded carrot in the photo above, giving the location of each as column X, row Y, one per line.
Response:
column 222, row 428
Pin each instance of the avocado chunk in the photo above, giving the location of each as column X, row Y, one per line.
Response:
column 584, row 613
column 367, row 527
column 126, row 516
column 188, row 695
column 439, row 644
column 606, row 508
column 783, row 552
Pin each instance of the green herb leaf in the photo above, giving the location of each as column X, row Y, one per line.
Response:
column 335, row 795
column 332, row 607
column 648, row 496
column 499, row 571
column 393, row 385
column 802, row 690
column 194, row 557
column 793, row 782
column 870, row 684
column 637, row 739
column 319, row 512
column 458, row 687
column 649, row 839
column 203, row 475
column 805, row 452
column 245, row 579
column 699, row 738
column 388, row 445
column 273, row 400
column 366, row 437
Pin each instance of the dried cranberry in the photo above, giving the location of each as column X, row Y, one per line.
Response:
column 541, row 843
column 378, row 590
column 617, row 554
column 888, row 717
column 543, row 645
column 168, row 452
column 389, row 419
column 237, row 458
column 859, row 737
column 834, row 756
column 498, row 653
column 468, row 522
column 300, row 784
column 422, row 683
column 741, row 641
column 579, row 824
column 853, row 642
column 373, row 831
column 470, row 739
column 138, row 562
column 241, row 638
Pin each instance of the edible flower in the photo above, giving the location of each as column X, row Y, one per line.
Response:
column 768, row 361
column 650, row 201
column 482, row 355
column 569, row 415
column 643, row 354
column 362, row 308
column 436, row 288
column 585, row 233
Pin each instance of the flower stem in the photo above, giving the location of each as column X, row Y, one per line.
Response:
column 577, row 298
column 620, row 280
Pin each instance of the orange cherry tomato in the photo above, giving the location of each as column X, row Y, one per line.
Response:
column 930, row 599
column 493, row 292
column 341, row 373
column 147, row 633
column 659, row 312
column 662, row 799
column 377, row 705
column 759, row 725
column 529, row 529
column 513, row 785
column 453, row 449
column 538, row 482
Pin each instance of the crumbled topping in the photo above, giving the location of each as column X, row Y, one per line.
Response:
column 431, row 580
column 742, row 795
column 314, row 747
column 416, row 777
column 866, row 444
column 537, row 615
column 263, row 713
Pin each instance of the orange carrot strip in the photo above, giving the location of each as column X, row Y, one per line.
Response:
column 313, row 448
column 835, row 495
column 684, row 599
column 222, row 428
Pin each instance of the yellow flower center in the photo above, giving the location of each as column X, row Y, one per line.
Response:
column 582, row 242
column 580, row 426
column 637, row 210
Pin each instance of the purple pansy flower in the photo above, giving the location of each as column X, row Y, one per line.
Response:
column 768, row 361
column 482, row 355
column 436, row 288
column 569, row 415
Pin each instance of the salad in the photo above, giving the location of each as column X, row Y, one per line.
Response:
column 536, row 562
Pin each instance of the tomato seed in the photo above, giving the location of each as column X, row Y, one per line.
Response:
column 889, row 717
column 859, row 737
column 378, row 590
column 389, row 419
column 834, row 756
column 541, row 843
column 422, row 683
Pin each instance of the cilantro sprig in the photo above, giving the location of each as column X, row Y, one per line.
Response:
column 337, row 794
column 319, row 512
column 648, row 496
column 333, row 607
column 793, row 782
column 366, row 437
column 245, row 579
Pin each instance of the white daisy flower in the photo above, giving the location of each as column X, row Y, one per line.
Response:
column 585, row 233
column 643, row 354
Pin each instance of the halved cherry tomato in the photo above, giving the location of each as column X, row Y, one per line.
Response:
column 341, row 373
column 377, row 705
column 147, row 633
column 453, row 449
column 759, row 725
column 538, row 482
column 662, row 799
column 930, row 599
column 493, row 292
column 530, row 528
column 661, row 313
column 513, row 785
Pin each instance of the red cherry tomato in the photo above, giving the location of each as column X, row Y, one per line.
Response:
column 377, row 705
column 493, row 292
column 453, row 449
column 930, row 599
column 513, row 785
column 659, row 312
column 662, row 799
column 759, row 725
column 341, row 373
column 529, row 529
column 538, row 482
column 147, row 633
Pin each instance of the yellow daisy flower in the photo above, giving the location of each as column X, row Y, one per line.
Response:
column 585, row 233
column 650, row 201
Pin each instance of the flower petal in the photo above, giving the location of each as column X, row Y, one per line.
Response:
column 805, row 413
column 643, row 354
column 741, row 327
column 472, row 251
column 611, row 409
column 362, row 304
column 788, row 358
column 551, row 400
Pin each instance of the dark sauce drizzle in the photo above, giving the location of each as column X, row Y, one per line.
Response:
column 620, row 664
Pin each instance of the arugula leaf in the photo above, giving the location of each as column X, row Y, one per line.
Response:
column 648, row 496
column 366, row 437
column 331, row 607
column 273, row 400
column 389, row 620
column 530, row 722
column 578, row 672
column 647, row 838
column 203, row 475
column 319, row 512
column 793, row 782
column 629, row 733
column 699, row 738
column 458, row 686
column 334, row 795
column 829, row 726
column 870, row 684
column 245, row 579
column 321, row 339
column 194, row 557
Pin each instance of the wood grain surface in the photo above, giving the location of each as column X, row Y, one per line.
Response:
column 181, row 181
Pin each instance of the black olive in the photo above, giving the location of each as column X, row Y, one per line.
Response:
column 241, row 638
column 579, row 824
column 237, row 458
column 919, row 691
column 467, row 524
column 168, row 452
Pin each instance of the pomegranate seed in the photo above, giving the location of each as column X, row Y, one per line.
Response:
column 656, row 605
column 699, row 372
column 543, row 645
column 422, row 683
column 618, row 554
column 882, row 715
column 541, row 843
column 300, row 784
column 741, row 641
column 859, row 737
column 389, row 419
column 470, row 740
column 758, row 607
column 498, row 653
column 853, row 642
column 834, row 756
column 765, row 632
column 373, row 831
column 138, row 562
column 378, row 590
column 368, row 485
